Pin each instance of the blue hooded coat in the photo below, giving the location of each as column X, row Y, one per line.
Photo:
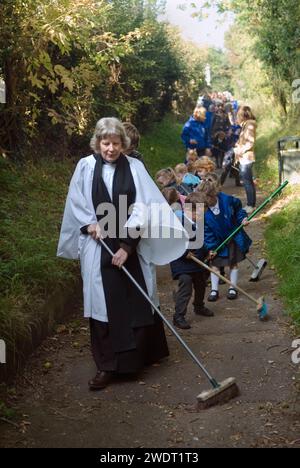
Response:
column 218, row 228
column 195, row 130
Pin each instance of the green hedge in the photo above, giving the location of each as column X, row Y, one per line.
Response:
column 283, row 228
column 162, row 146
column 283, row 247
column 32, row 198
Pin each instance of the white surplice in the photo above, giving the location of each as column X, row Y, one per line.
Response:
column 151, row 250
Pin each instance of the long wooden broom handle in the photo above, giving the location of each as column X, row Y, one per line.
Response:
column 260, row 208
column 195, row 259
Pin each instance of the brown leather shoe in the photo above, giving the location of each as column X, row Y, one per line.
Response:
column 101, row 380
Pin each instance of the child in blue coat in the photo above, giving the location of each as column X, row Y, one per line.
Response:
column 195, row 133
column 188, row 273
column 223, row 216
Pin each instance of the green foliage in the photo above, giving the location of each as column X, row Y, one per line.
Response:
column 191, row 61
column 161, row 146
column 68, row 63
column 220, row 69
column 32, row 199
column 6, row 412
column 57, row 56
column 249, row 80
column 283, row 245
column 283, row 232
column 270, row 131
column 273, row 26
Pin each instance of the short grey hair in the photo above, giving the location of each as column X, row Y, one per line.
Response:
column 107, row 127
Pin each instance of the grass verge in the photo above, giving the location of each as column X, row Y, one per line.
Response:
column 162, row 146
column 31, row 205
column 283, row 229
column 283, row 247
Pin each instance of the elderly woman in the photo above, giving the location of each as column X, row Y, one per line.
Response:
column 244, row 153
column 125, row 333
column 196, row 134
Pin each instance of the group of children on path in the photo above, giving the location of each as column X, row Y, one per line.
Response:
column 191, row 184
column 222, row 215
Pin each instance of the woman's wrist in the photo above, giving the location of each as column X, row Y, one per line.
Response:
column 127, row 248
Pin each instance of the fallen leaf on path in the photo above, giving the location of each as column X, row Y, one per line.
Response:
column 236, row 437
column 61, row 329
column 48, row 365
column 155, row 386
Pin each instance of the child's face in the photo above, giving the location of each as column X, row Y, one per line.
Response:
column 211, row 179
column 180, row 175
column 163, row 180
column 191, row 158
column 202, row 172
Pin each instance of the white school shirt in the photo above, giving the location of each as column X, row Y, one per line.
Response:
column 215, row 209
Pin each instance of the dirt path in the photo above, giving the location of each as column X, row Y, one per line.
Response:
column 53, row 407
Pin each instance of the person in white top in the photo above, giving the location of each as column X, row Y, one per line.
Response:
column 245, row 155
column 125, row 333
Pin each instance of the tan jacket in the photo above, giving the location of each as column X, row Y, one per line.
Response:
column 244, row 150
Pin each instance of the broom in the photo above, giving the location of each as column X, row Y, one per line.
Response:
column 221, row 392
column 262, row 263
column 258, row 268
column 261, row 306
column 258, row 210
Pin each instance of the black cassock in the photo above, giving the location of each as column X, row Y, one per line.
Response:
column 133, row 336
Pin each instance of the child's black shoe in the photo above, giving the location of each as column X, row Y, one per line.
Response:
column 204, row 311
column 214, row 296
column 181, row 323
column 232, row 294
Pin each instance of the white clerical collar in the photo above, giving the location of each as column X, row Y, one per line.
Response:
column 215, row 209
